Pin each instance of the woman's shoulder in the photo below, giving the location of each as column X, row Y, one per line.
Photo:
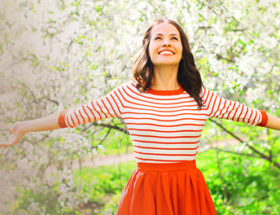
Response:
column 203, row 90
column 131, row 83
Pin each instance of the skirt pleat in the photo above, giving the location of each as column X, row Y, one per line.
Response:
column 166, row 189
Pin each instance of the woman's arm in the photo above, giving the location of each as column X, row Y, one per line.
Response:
column 107, row 106
column 222, row 108
column 18, row 130
column 46, row 123
column 273, row 122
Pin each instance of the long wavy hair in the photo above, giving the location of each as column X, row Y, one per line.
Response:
column 188, row 75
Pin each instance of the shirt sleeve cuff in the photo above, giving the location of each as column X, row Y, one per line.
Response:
column 264, row 118
column 61, row 119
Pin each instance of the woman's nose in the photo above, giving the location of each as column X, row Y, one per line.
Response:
column 166, row 42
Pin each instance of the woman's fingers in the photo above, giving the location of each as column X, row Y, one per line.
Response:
column 11, row 141
column 15, row 137
column 14, row 128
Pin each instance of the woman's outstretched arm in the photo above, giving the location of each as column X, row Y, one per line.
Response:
column 18, row 130
column 226, row 109
column 110, row 105
column 273, row 122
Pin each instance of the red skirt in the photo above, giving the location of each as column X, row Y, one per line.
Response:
column 166, row 189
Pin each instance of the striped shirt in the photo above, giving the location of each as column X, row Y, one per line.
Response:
column 165, row 126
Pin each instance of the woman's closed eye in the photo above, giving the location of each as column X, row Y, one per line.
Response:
column 172, row 38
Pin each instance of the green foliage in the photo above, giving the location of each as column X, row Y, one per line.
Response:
column 111, row 207
column 250, row 184
column 104, row 181
column 98, row 9
column 116, row 142
column 43, row 200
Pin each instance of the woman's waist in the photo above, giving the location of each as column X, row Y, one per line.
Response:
column 166, row 167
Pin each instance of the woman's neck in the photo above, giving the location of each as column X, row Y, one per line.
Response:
column 165, row 78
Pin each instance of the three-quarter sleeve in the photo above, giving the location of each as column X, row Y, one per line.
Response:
column 219, row 107
column 108, row 106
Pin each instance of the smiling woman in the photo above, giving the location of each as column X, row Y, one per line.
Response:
column 152, row 69
column 165, row 44
column 165, row 108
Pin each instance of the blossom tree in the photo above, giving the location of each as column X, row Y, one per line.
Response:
column 57, row 54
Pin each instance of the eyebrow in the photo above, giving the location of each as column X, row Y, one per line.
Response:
column 169, row 34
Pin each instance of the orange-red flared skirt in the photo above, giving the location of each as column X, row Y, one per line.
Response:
column 166, row 189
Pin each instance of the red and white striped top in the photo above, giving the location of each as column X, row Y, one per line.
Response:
column 165, row 126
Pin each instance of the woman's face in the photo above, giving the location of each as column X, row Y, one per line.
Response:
column 165, row 36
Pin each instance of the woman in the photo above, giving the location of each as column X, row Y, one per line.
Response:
column 165, row 108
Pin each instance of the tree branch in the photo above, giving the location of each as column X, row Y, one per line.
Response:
column 237, row 153
column 107, row 126
column 263, row 156
column 227, row 59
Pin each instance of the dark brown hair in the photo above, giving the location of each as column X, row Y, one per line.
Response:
column 188, row 75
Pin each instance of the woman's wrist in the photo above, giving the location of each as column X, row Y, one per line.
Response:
column 273, row 122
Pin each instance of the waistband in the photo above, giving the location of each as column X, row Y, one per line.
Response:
column 160, row 167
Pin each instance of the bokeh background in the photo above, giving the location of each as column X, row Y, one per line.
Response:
column 57, row 54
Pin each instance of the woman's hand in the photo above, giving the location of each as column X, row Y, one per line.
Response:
column 16, row 133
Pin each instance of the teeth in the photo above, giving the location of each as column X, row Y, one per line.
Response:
column 167, row 52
